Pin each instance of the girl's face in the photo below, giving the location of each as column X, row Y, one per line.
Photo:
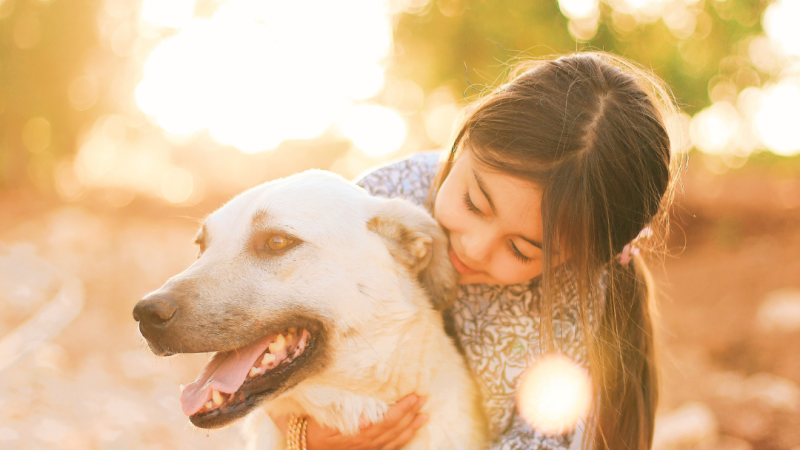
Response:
column 494, row 222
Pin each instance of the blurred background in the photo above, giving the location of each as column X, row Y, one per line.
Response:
column 124, row 122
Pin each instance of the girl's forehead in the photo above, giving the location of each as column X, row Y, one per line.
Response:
column 498, row 184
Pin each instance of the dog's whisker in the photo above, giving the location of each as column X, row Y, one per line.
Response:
column 373, row 348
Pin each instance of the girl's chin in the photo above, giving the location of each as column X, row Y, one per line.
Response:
column 479, row 278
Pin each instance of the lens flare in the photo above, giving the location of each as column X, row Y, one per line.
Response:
column 554, row 394
column 261, row 72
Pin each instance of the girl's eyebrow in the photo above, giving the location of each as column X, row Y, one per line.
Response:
column 536, row 244
column 483, row 189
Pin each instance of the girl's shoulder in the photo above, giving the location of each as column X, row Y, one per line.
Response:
column 410, row 178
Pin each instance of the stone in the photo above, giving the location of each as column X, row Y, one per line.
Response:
column 779, row 312
column 691, row 425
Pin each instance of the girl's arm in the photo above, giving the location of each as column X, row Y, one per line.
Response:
column 410, row 178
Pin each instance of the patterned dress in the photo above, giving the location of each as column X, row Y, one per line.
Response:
column 497, row 326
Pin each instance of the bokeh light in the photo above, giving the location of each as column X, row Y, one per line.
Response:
column 578, row 9
column 259, row 73
column 177, row 185
column 780, row 21
column 441, row 115
column 554, row 394
column 714, row 129
column 36, row 134
column 375, row 130
column 27, row 32
column 583, row 15
column 82, row 93
column 167, row 13
column 778, row 116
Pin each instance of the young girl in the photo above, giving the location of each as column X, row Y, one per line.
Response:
column 550, row 180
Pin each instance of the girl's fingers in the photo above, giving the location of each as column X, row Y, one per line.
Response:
column 281, row 422
column 396, row 429
column 407, row 434
column 419, row 421
column 390, row 434
column 392, row 417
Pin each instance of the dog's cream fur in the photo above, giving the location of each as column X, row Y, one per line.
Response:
column 373, row 271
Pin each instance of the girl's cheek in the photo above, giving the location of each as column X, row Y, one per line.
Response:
column 449, row 217
column 443, row 209
column 509, row 271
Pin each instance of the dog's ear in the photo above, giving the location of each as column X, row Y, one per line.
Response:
column 415, row 240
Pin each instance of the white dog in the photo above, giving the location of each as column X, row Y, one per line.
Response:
column 318, row 300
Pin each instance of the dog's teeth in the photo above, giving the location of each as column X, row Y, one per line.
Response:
column 278, row 345
column 216, row 397
column 293, row 330
column 254, row 372
column 209, row 404
column 268, row 358
column 182, row 387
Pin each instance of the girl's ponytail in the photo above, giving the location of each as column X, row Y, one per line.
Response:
column 625, row 344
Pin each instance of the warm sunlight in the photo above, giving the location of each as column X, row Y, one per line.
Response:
column 254, row 74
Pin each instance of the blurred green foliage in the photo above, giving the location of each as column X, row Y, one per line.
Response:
column 447, row 43
column 434, row 46
column 34, row 81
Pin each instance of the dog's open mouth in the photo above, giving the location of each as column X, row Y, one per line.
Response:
column 233, row 382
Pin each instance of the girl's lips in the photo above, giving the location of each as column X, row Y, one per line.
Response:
column 459, row 265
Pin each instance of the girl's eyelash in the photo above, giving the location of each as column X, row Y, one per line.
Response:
column 470, row 206
column 517, row 254
column 514, row 250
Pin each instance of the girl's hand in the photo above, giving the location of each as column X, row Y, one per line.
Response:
column 397, row 428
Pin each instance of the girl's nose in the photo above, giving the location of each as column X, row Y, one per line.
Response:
column 477, row 245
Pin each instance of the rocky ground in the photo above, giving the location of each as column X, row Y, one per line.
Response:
column 730, row 311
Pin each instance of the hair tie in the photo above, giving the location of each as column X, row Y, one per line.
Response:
column 630, row 248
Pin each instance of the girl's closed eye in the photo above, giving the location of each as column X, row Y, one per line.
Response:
column 518, row 254
column 471, row 206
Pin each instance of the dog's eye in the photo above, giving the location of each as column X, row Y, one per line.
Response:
column 278, row 242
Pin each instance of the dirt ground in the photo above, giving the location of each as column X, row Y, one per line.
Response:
column 94, row 385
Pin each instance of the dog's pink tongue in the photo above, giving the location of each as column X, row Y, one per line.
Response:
column 225, row 372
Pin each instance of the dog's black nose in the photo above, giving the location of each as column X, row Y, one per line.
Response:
column 156, row 311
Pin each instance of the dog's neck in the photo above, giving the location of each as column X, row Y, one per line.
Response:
column 375, row 365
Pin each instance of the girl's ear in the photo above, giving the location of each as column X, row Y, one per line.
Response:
column 415, row 240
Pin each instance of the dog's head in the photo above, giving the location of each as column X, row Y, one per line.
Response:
column 285, row 271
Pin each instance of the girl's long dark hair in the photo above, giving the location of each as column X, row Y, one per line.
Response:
column 590, row 130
